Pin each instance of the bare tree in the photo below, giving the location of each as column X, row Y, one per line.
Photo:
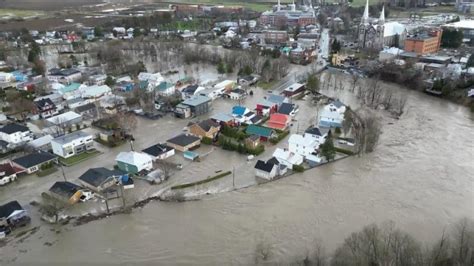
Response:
column 166, row 168
column 125, row 121
column 354, row 82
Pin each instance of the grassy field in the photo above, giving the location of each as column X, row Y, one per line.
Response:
column 19, row 13
column 254, row 5
column 78, row 158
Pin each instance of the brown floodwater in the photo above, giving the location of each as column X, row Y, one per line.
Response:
column 421, row 177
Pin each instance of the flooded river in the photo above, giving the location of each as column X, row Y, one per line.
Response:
column 421, row 177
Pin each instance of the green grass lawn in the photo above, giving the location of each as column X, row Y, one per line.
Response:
column 19, row 13
column 79, row 158
column 266, row 85
column 257, row 5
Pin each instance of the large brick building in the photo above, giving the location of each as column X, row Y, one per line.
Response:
column 424, row 43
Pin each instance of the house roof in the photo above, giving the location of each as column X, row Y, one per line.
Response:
column 72, row 136
column 278, row 99
column 206, row 125
column 63, row 118
column 256, row 119
column 287, row 156
column 39, row 142
column 8, row 208
column 221, row 117
column 253, row 137
column 133, row 157
column 6, row 169
column 303, row 140
column 34, row 159
column 71, row 87
column 190, row 89
column 294, row 87
column 259, row 131
column 85, row 107
column 64, row 189
column 183, row 140
column 314, row 131
column 157, row 150
column 286, row 108
column 97, row 176
column 95, row 91
column 239, row 110
column 13, row 128
column 164, row 86
column 43, row 102
column 273, row 160
column 196, row 100
column 278, row 119
column 264, row 166
column 338, row 103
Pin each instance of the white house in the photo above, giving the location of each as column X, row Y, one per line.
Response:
column 15, row 134
column 332, row 115
column 288, row 158
column 153, row 79
column 72, row 144
column 269, row 169
column 6, row 77
column 95, row 91
column 68, row 118
column 303, row 145
column 134, row 162
column 320, row 134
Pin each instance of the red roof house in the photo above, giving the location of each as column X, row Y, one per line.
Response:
column 279, row 121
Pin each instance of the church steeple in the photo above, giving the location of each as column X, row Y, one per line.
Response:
column 365, row 17
column 382, row 16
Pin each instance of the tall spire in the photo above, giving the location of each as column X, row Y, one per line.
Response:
column 278, row 6
column 365, row 17
column 382, row 15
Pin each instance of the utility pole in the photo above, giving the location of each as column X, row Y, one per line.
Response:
column 123, row 196
column 62, row 170
column 233, row 177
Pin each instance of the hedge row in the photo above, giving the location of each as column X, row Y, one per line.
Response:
column 281, row 136
column 221, row 175
column 347, row 152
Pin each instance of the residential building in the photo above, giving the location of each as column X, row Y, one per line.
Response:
column 65, row 119
column 42, row 143
column 33, row 162
column 95, row 91
column 191, row 90
column 15, row 134
column 8, row 173
column 288, row 109
column 320, row 134
column 288, row 158
column 100, row 179
column 306, row 146
column 6, row 77
column 184, row 142
column 252, row 142
column 152, row 79
column 204, row 129
column 279, row 121
column 87, row 111
column 223, row 119
column 46, row 108
column 270, row 169
column 275, row 36
column 248, row 80
column 265, row 107
column 65, row 76
column 264, row 133
column 134, row 162
column 281, row 17
column 194, row 106
column 66, row 192
column 72, row 144
column 424, row 43
column 237, row 94
column 332, row 115
column 165, row 89
column 294, row 90
column 159, row 151
column 224, row 86
column 12, row 215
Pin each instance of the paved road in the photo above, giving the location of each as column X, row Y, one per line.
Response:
column 298, row 71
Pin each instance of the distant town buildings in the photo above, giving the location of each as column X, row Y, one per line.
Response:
column 424, row 43
column 376, row 33
column 284, row 16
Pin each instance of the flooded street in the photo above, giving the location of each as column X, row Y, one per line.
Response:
column 421, row 176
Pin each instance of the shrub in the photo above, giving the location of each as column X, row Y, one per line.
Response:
column 257, row 151
column 281, row 135
column 298, row 168
column 206, row 140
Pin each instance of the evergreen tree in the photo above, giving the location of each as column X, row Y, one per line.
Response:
column 327, row 149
